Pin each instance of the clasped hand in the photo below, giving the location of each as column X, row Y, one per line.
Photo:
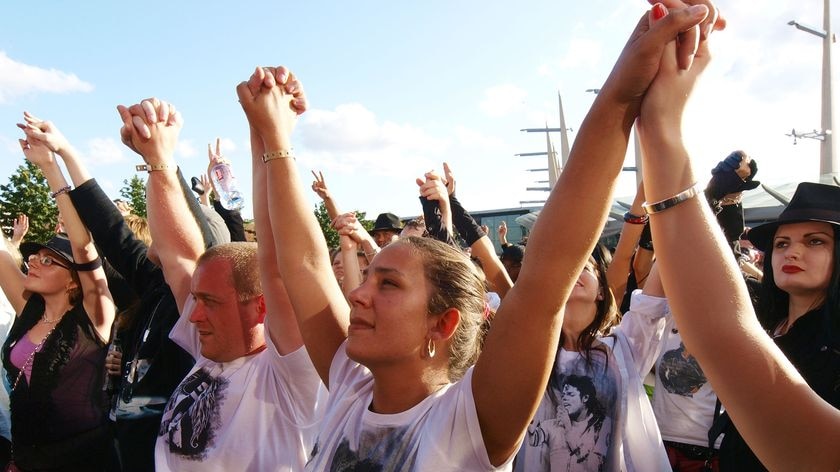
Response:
column 272, row 99
column 150, row 128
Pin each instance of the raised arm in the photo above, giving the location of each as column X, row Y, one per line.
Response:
column 348, row 224
column 151, row 129
column 43, row 141
column 19, row 229
column 502, row 232
column 512, row 372
column 302, row 256
column 351, row 234
column 319, row 186
column 282, row 324
column 631, row 231
column 96, row 211
column 50, row 135
column 763, row 393
column 433, row 188
column 476, row 237
column 11, row 278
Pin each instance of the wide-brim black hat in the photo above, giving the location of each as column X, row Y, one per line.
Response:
column 387, row 222
column 59, row 244
column 810, row 202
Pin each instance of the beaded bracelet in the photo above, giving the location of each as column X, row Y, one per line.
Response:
column 61, row 191
column 281, row 154
column 635, row 219
column 662, row 205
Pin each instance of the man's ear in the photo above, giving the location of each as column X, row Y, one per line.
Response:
column 443, row 325
column 260, row 308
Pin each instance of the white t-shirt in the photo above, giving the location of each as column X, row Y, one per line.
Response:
column 594, row 416
column 441, row 433
column 256, row 413
column 573, row 427
column 7, row 318
column 683, row 401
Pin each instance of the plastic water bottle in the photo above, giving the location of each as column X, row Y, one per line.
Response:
column 225, row 185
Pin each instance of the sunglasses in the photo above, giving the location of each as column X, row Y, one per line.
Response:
column 45, row 260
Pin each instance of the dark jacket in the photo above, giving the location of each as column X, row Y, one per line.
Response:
column 160, row 364
column 813, row 348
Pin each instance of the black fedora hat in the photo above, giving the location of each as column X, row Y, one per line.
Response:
column 810, row 202
column 59, row 244
column 387, row 222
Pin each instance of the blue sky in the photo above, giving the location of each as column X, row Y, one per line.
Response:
column 395, row 88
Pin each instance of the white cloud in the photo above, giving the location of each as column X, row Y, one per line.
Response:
column 351, row 139
column 186, row 149
column 476, row 140
column 11, row 145
column 228, row 146
column 109, row 186
column 17, row 78
column 104, row 151
column 580, row 53
column 502, row 100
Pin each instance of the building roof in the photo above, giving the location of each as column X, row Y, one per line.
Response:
column 760, row 206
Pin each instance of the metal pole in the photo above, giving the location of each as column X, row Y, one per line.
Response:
column 828, row 155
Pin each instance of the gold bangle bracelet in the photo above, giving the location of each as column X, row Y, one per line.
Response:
column 662, row 205
column 281, row 154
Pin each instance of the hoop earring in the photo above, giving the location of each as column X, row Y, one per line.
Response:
column 430, row 349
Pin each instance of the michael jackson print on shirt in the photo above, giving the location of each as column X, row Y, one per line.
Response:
column 386, row 449
column 680, row 373
column 192, row 415
column 573, row 428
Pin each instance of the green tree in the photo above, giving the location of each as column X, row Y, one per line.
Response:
column 134, row 190
column 326, row 227
column 28, row 193
column 367, row 224
column 330, row 234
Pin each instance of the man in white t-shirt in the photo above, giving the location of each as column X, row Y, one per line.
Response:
column 247, row 404
column 253, row 399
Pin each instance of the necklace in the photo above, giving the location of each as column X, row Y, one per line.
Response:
column 45, row 320
column 28, row 362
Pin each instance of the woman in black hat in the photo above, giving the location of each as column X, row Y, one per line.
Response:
column 799, row 302
column 55, row 353
column 781, row 417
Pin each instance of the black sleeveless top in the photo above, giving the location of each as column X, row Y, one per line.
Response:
column 63, row 401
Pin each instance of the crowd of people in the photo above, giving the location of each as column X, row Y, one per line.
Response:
column 171, row 343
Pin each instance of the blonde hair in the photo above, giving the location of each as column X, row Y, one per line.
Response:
column 244, row 269
column 456, row 284
column 140, row 227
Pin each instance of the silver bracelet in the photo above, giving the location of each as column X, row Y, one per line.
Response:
column 690, row 192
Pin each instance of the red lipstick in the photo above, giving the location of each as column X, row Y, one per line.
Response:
column 791, row 269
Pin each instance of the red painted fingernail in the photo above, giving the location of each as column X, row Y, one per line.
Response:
column 659, row 11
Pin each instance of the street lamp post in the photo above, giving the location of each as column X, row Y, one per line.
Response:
column 828, row 156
